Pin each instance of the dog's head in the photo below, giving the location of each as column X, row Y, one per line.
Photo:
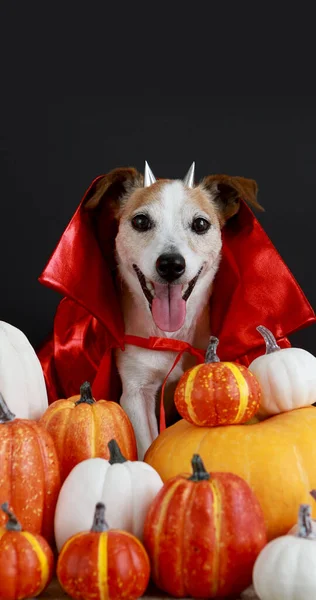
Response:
column 169, row 234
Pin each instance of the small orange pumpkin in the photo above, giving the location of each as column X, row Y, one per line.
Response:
column 26, row 561
column 103, row 563
column 203, row 534
column 217, row 393
column 81, row 428
column 29, row 472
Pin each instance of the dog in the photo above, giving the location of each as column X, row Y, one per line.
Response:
column 168, row 251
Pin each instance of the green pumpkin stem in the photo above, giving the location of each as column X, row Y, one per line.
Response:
column 199, row 471
column 85, row 394
column 270, row 341
column 12, row 524
column 211, row 356
column 99, row 523
column 305, row 529
column 6, row 416
column 116, row 455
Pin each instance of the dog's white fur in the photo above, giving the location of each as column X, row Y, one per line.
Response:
column 171, row 207
column 172, row 210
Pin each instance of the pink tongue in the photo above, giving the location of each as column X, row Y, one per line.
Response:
column 168, row 308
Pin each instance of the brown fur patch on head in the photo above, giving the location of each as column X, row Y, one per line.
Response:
column 228, row 191
column 141, row 197
column 113, row 186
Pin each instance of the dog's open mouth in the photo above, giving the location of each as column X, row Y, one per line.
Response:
column 167, row 301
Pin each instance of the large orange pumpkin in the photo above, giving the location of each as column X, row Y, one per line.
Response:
column 29, row 473
column 277, row 457
column 203, row 534
column 217, row 393
column 81, row 428
column 26, row 561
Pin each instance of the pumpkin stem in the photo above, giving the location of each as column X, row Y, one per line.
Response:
column 199, row 471
column 211, row 356
column 305, row 529
column 85, row 394
column 12, row 524
column 116, row 455
column 99, row 523
column 271, row 345
column 5, row 413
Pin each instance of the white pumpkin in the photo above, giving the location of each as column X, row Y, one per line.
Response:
column 22, row 383
column 127, row 489
column 286, row 567
column 287, row 377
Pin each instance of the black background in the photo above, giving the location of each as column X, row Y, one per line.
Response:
column 86, row 87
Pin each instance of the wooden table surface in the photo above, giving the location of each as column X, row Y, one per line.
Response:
column 54, row 592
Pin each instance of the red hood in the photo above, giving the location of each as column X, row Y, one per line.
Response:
column 252, row 287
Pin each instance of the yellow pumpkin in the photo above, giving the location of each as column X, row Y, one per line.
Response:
column 277, row 458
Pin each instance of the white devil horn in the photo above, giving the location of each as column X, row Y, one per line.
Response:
column 149, row 177
column 189, row 178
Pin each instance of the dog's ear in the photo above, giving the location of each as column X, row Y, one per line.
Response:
column 228, row 191
column 113, row 187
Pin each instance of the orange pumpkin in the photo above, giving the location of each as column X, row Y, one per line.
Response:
column 276, row 457
column 103, row 563
column 217, row 393
column 29, row 472
column 26, row 561
column 203, row 534
column 81, row 428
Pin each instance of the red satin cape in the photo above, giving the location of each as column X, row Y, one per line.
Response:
column 252, row 287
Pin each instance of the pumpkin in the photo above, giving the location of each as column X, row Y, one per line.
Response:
column 103, row 563
column 126, row 488
column 294, row 529
column 287, row 377
column 26, row 561
column 217, row 393
column 203, row 533
column 286, row 568
column 29, row 472
column 81, row 428
column 22, row 383
column 277, row 457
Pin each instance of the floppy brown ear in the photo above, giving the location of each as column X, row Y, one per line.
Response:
column 227, row 191
column 113, row 186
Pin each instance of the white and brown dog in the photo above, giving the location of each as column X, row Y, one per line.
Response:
column 168, row 250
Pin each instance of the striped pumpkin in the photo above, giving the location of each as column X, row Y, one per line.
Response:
column 217, row 393
column 103, row 564
column 203, row 534
column 81, row 428
column 26, row 561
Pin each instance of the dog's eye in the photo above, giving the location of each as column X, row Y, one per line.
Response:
column 200, row 225
column 141, row 223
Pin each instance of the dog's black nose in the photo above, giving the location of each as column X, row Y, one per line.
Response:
column 170, row 266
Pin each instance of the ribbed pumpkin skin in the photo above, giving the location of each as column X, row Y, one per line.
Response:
column 26, row 565
column 103, row 566
column 277, row 457
column 29, row 475
column 83, row 431
column 219, row 393
column 203, row 537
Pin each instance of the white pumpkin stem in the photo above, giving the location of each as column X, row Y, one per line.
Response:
column 199, row 471
column 99, row 523
column 270, row 341
column 85, row 394
column 116, row 455
column 6, row 416
column 305, row 528
column 211, row 356
column 12, row 524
